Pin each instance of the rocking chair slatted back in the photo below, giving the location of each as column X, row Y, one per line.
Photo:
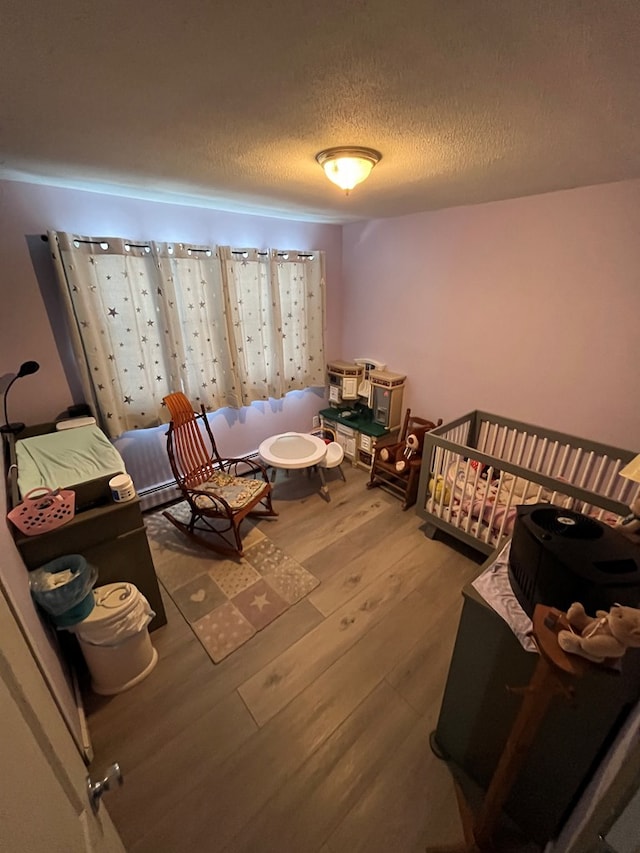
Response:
column 413, row 423
column 192, row 462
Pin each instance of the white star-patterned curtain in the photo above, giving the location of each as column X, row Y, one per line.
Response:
column 277, row 319
column 300, row 284
column 255, row 322
column 195, row 321
column 226, row 326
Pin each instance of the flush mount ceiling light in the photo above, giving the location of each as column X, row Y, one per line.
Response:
column 348, row 165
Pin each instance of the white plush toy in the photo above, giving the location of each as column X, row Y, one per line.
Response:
column 609, row 635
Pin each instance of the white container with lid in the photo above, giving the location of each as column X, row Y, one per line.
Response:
column 122, row 488
column 114, row 639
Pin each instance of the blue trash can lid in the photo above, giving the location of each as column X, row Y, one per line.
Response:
column 74, row 562
column 62, row 583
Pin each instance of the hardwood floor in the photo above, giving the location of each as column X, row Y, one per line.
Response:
column 313, row 736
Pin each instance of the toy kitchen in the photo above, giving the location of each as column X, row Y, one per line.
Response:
column 365, row 406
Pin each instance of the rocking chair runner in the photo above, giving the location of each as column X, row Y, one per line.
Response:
column 384, row 474
column 220, row 492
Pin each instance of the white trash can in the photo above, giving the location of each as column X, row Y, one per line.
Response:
column 114, row 638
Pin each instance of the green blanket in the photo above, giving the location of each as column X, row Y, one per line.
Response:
column 66, row 458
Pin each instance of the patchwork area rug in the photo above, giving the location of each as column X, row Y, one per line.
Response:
column 225, row 601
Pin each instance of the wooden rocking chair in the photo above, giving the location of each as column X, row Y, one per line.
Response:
column 220, row 492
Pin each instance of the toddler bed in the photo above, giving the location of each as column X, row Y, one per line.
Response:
column 478, row 468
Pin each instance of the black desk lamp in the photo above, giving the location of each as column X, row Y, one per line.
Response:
column 26, row 369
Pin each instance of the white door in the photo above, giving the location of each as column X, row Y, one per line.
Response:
column 44, row 804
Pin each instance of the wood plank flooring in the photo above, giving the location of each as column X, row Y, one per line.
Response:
column 313, row 736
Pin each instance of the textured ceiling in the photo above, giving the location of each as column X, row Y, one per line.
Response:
column 227, row 103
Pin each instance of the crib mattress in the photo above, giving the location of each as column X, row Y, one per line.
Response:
column 66, row 458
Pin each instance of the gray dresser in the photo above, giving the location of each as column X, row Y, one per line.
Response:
column 477, row 713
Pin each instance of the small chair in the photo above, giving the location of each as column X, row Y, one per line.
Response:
column 402, row 484
column 217, row 490
column 333, row 459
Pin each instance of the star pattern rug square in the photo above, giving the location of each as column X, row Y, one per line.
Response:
column 225, row 601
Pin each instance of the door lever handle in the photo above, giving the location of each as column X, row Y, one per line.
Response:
column 97, row 789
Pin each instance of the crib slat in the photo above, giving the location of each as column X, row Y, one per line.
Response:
column 552, row 459
column 471, row 498
column 490, row 485
column 461, row 518
column 587, row 470
column 560, row 475
column 481, row 437
column 534, row 439
column 437, row 456
column 613, row 479
column 543, row 450
column 441, row 472
column 565, row 459
column 525, row 435
column 503, row 442
column 600, row 473
column 505, row 517
column 574, row 467
column 585, row 479
column 455, row 467
column 538, row 494
column 493, row 431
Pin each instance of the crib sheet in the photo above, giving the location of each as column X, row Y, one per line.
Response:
column 66, row 458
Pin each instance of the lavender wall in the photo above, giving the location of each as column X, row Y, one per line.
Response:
column 527, row 308
column 30, row 324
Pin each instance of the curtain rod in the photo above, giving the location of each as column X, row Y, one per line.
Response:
column 263, row 254
column 45, row 237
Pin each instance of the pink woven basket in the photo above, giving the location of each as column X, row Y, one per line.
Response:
column 42, row 510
